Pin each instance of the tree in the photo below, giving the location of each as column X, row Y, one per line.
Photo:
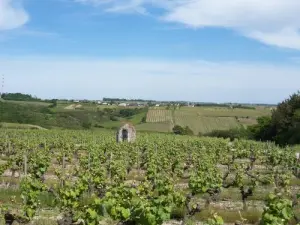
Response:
column 283, row 126
column 53, row 103
column 286, row 120
column 263, row 130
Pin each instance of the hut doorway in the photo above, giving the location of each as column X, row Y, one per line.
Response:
column 124, row 135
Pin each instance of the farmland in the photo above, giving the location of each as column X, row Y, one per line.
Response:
column 206, row 119
column 83, row 115
column 48, row 175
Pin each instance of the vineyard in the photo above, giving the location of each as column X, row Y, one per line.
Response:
column 204, row 124
column 159, row 115
column 202, row 119
column 81, row 177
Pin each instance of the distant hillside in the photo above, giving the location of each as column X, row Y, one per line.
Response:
column 202, row 118
column 51, row 116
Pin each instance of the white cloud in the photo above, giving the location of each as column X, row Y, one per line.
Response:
column 273, row 22
column 151, row 79
column 12, row 15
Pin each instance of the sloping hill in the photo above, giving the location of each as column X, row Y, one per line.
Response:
column 202, row 119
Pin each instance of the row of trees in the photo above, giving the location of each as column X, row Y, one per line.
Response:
column 19, row 97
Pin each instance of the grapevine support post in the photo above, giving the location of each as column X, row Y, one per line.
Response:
column 25, row 165
column 297, row 168
column 63, row 171
column 89, row 168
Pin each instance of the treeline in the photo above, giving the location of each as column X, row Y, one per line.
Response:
column 125, row 100
column 19, row 97
column 24, row 97
column 282, row 127
column 239, row 106
column 232, row 106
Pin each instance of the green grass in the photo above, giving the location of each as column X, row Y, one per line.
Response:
column 19, row 126
column 155, row 127
column 136, row 119
column 29, row 103
column 111, row 124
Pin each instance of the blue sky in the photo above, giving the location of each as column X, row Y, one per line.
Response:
column 197, row 50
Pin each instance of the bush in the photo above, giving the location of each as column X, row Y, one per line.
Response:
column 236, row 133
column 178, row 130
column 144, row 119
column 87, row 125
column 125, row 113
column 182, row 131
column 113, row 118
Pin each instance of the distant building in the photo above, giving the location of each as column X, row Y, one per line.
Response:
column 123, row 104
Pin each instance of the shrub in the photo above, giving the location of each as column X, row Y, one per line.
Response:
column 235, row 133
column 182, row 131
column 87, row 125
column 144, row 119
column 113, row 118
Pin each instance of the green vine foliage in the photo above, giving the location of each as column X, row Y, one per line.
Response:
column 206, row 177
column 140, row 183
column 146, row 203
column 30, row 191
column 215, row 220
column 278, row 211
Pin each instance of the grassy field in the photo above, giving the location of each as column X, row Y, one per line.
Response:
column 205, row 124
column 29, row 103
column 155, row 127
column 227, row 112
column 205, row 119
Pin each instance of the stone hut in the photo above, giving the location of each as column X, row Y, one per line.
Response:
column 126, row 133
